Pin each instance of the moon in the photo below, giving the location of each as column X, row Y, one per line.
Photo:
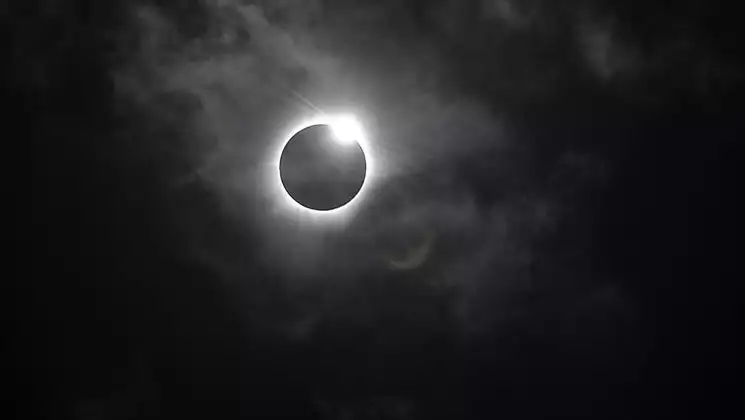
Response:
column 323, row 166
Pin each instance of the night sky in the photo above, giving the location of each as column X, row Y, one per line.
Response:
column 550, row 227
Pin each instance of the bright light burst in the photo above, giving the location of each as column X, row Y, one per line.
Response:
column 346, row 129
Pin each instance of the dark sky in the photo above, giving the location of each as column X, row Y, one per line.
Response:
column 567, row 172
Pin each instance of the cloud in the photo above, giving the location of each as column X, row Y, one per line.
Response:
column 657, row 65
column 606, row 54
column 449, row 164
column 511, row 12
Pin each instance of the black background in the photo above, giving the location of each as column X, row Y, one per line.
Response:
column 116, row 320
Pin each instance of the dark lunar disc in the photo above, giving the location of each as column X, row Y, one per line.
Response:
column 320, row 172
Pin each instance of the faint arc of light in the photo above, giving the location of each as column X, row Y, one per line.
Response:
column 415, row 257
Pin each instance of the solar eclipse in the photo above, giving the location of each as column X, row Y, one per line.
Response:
column 323, row 165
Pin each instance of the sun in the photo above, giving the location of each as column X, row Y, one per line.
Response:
column 347, row 129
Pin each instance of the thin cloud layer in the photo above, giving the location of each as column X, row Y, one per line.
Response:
column 250, row 77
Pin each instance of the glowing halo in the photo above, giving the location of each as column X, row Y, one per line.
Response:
column 346, row 129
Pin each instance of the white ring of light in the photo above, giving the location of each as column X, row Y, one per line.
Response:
column 335, row 122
